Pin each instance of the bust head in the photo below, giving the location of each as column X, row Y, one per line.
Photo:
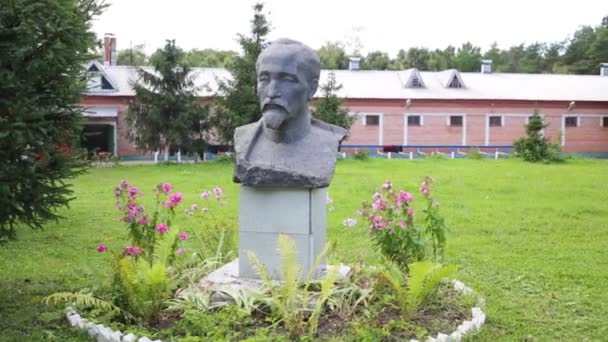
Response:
column 288, row 76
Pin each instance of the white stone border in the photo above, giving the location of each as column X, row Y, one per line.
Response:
column 479, row 318
column 102, row 333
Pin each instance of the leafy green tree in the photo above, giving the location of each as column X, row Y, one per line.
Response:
column 536, row 147
column 418, row 58
column 442, row 59
column 166, row 112
column 377, row 60
column 577, row 53
column 468, row 58
column 209, row 58
column 329, row 107
column 236, row 103
column 333, row 56
column 43, row 47
column 132, row 56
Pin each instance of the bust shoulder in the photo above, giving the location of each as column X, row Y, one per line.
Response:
column 336, row 132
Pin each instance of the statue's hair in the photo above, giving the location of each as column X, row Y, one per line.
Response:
column 308, row 60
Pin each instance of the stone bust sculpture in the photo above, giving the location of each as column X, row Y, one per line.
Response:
column 287, row 147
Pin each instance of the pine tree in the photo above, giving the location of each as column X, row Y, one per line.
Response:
column 329, row 107
column 43, row 47
column 236, row 103
column 536, row 147
column 165, row 112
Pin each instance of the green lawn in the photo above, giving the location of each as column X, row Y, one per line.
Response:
column 532, row 239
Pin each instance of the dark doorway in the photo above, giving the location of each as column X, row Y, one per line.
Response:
column 98, row 138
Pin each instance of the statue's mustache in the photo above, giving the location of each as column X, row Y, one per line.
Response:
column 272, row 104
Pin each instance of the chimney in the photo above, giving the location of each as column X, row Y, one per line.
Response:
column 354, row 63
column 109, row 49
column 486, row 66
column 603, row 69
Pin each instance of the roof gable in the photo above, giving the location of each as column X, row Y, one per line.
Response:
column 98, row 80
column 411, row 78
column 451, row 79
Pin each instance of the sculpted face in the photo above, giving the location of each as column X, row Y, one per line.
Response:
column 283, row 88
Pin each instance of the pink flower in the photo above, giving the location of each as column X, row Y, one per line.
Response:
column 166, row 187
column 410, row 211
column 377, row 195
column 124, row 184
column 424, row 189
column 133, row 191
column 205, row 195
column 349, row 222
column 387, row 185
column 378, row 223
column 183, row 236
column 144, row 220
column 176, row 197
column 379, row 204
column 218, row 192
column 132, row 250
column 405, row 196
column 117, row 191
column 101, row 248
column 402, row 224
column 193, row 207
column 162, row 228
column 179, row 251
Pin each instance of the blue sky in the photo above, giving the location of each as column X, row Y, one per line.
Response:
column 379, row 25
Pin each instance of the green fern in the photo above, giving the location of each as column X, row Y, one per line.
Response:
column 423, row 279
column 84, row 300
column 290, row 300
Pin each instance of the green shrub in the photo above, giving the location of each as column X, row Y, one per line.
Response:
column 536, row 147
column 361, row 155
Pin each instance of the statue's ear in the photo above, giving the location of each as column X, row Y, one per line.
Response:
column 313, row 88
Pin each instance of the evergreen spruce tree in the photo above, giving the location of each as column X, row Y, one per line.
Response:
column 166, row 112
column 237, row 103
column 43, row 47
column 536, row 147
column 329, row 108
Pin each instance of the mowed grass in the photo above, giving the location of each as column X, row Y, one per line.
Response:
column 530, row 238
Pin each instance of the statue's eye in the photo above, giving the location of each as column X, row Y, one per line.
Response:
column 263, row 78
column 290, row 78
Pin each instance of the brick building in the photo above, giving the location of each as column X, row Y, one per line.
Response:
column 410, row 109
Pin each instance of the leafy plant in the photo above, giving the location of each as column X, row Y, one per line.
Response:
column 148, row 286
column 536, row 147
column 435, row 223
column 289, row 300
column 84, row 300
column 361, row 155
column 412, row 289
column 393, row 229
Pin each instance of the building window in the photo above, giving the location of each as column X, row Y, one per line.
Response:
column 372, row 120
column 456, row 120
column 416, row 83
column 413, row 120
column 571, row 121
column 605, row 121
column 455, row 83
column 495, row 121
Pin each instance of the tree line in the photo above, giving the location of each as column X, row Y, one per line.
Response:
column 580, row 54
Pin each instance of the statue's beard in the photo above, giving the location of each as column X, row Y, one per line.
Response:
column 274, row 118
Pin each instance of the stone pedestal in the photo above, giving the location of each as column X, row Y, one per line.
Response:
column 264, row 213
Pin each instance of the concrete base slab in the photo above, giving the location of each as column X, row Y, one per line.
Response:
column 226, row 280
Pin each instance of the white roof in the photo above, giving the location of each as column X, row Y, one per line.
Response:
column 385, row 84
